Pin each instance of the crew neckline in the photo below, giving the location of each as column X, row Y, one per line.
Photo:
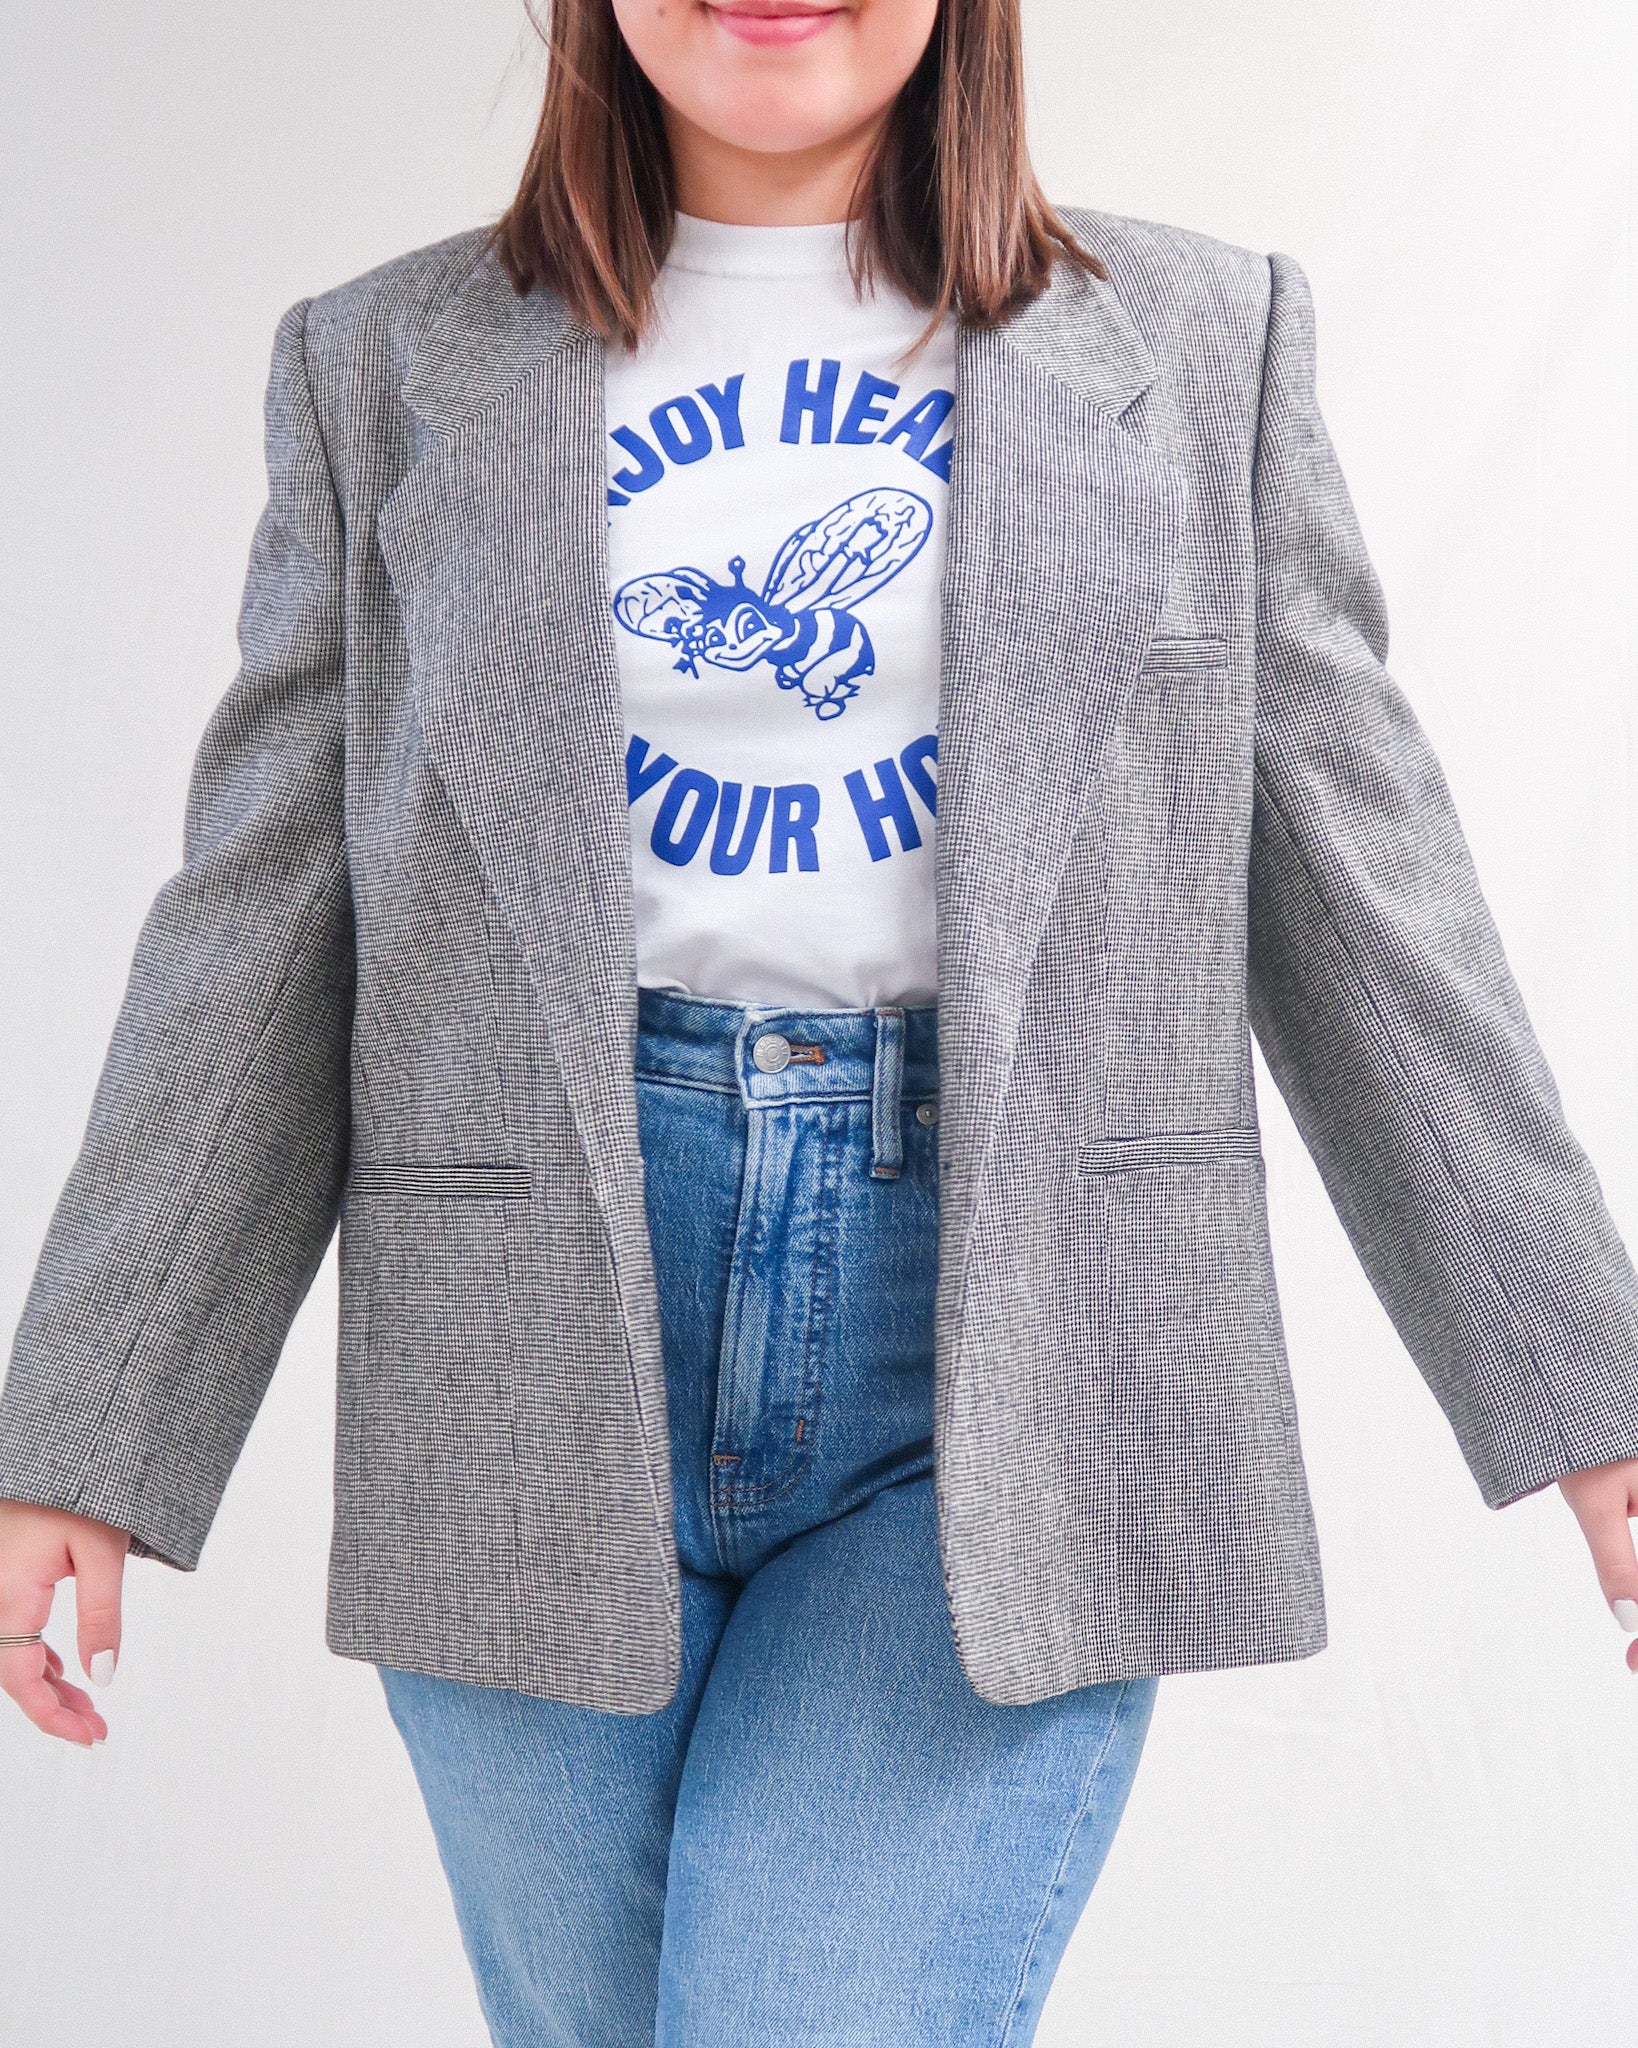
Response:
column 720, row 248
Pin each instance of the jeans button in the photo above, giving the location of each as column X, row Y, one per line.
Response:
column 926, row 1112
column 772, row 1052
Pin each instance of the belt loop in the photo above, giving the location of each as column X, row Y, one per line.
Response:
column 886, row 1135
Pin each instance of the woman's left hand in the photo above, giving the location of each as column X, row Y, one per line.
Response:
column 1603, row 1500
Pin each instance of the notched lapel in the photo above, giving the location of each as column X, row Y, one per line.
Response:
column 496, row 545
column 1064, row 531
column 1064, row 526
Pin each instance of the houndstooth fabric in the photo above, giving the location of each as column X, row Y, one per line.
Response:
column 393, row 986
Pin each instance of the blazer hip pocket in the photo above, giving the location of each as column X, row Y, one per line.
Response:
column 441, row 1180
column 1156, row 1151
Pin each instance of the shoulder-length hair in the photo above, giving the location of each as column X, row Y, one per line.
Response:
column 947, row 207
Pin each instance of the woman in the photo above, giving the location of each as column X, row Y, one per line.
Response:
column 754, row 824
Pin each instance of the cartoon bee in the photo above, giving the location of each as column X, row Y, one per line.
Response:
column 803, row 623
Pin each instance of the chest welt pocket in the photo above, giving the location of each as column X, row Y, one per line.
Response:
column 1157, row 1151
column 1184, row 654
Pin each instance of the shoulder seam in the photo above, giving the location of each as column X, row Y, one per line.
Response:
column 304, row 308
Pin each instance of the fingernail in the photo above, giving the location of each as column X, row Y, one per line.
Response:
column 101, row 1668
column 96, row 1740
column 1626, row 1613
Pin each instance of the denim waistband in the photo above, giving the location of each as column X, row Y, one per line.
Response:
column 770, row 1054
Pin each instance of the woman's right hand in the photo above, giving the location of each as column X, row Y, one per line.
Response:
column 39, row 1546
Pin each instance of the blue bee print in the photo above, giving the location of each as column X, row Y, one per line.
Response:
column 802, row 624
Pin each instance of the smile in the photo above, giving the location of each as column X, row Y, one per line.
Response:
column 773, row 22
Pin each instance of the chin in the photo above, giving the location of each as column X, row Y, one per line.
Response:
column 770, row 121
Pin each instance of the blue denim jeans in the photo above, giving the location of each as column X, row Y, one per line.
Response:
column 827, row 1837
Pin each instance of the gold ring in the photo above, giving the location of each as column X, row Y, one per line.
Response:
column 16, row 1642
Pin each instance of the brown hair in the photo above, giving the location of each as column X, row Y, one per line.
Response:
column 947, row 207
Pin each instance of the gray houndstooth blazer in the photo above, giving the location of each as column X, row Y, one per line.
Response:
column 393, row 985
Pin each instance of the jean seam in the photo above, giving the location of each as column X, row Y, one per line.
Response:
column 819, row 1098
column 1088, row 1788
column 818, row 1326
column 683, row 1081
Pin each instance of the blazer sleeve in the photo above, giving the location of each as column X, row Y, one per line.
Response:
column 1385, row 1008
column 207, row 1185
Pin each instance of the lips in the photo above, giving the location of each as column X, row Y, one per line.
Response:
column 771, row 24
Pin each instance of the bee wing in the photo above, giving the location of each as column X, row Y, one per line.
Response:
column 661, row 605
column 850, row 551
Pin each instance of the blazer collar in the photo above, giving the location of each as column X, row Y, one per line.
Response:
column 1082, row 336
column 487, row 339
column 483, row 342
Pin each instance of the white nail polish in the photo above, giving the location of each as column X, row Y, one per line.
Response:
column 101, row 1668
column 1626, row 1613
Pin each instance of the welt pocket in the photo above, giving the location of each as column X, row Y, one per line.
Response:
column 1184, row 653
column 1155, row 1151
column 440, row 1180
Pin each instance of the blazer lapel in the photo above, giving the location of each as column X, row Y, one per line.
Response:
column 1064, row 528
column 496, row 542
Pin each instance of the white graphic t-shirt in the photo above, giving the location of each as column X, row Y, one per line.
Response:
column 777, row 488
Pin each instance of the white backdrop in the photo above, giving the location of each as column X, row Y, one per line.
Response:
column 1427, row 1834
